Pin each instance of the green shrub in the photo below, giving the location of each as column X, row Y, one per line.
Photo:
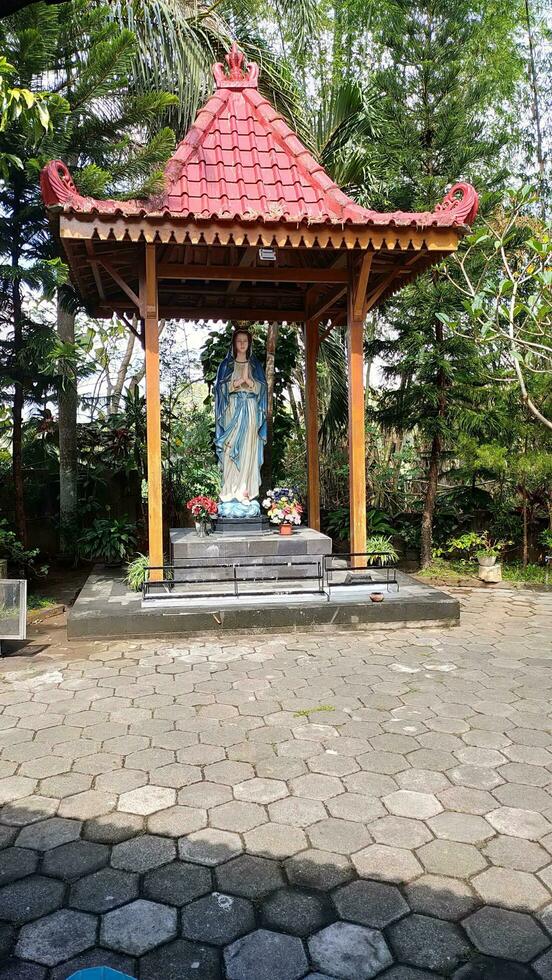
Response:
column 108, row 540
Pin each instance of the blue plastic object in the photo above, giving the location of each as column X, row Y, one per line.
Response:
column 100, row 973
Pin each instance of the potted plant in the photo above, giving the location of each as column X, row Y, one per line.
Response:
column 283, row 508
column 380, row 549
column 489, row 550
column 202, row 509
column 108, row 540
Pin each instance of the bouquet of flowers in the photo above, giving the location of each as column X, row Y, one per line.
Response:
column 202, row 508
column 282, row 506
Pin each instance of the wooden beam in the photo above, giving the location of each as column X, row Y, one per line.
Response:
column 247, row 259
column 357, row 434
column 119, row 280
column 94, row 263
column 174, row 312
column 153, row 419
column 311, row 413
column 176, row 270
column 326, row 303
column 360, row 285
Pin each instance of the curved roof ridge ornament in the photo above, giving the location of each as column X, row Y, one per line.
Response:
column 464, row 208
column 237, row 76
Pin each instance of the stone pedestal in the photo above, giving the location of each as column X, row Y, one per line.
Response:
column 269, row 555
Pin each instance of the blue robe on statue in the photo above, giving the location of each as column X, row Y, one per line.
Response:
column 240, row 434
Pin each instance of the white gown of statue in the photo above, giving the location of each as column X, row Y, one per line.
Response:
column 241, row 484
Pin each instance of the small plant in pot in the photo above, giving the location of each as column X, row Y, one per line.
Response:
column 110, row 540
column 283, row 508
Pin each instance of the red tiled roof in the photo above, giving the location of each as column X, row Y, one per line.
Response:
column 240, row 161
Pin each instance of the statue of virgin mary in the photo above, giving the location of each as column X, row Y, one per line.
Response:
column 240, row 432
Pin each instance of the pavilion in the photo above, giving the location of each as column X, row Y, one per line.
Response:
column 241, row 182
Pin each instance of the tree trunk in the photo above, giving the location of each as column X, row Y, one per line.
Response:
column 271, row 339
column 525, row 545
column 18, row 398
column 426, row 539
column 536, row 110
column 67, row 428
column 117, row 390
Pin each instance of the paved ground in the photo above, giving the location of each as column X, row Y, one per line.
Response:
column 338, row 806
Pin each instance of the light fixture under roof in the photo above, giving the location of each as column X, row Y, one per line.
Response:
column 267, row 254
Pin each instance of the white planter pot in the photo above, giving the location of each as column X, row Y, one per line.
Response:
column 487, row 561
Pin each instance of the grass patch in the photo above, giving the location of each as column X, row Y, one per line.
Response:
column 39, row 601
column 451, row 571
column 305, row 712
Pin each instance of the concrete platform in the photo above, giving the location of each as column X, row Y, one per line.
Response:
column 185, row 543
column 106, row 608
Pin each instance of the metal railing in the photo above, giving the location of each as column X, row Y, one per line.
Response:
column 238, row 585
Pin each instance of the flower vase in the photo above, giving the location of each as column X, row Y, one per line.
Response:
column 286, row 528
column 201, row 529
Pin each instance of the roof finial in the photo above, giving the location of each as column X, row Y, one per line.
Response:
column 236, row 76
column 235, row 60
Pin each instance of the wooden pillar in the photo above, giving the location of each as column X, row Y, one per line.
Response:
column 311, row 412
column 357, row 434
column 153, row 417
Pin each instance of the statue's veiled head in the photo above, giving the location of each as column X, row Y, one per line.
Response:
column 242, row 342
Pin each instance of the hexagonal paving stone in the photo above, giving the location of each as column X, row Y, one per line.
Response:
column 516, row 853
column 147, row 759
column 400, row 832
column 138, row 927
column 73, row 860
column 210, row 847
column 316, row 787
column 56, row 937
column 66, row 784
column 510, row 935
column 353, row 806
column 177, row 821
column 217, row 919
column 297, row 811
column 349, row 951
column 318, row 869
column 297, row 912
column 517, row 822
column 330, row 764
column 205, row 795
column 104, row 890
column 143, row 853
column 444, row 898
column 466, row 800
column 407, row 803
column 250, row 877
column 15, row 863
column 261, row 790
column 265, row 955
column 113, row 828
column 230, row 773
column 515, row 889
column 181, row 960
column 543, row 966
column 451, row 858
column 463, row 827
column 15, row 969
column 341, row 836
column 394, row 864
column 237, row 817
column 370, row 903
column 386, row 763
column 84, row 806
column 429, row 943
column 30, row 898
column 422, row 780
column 177, row 883
column 275, row 840
column 49, row 833
column 146, row 800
